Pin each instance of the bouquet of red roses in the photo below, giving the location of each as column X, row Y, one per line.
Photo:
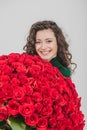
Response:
column 35, row 95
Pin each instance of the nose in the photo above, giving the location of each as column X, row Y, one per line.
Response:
column 43, row 45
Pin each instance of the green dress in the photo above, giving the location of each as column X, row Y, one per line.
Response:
column 65, row 71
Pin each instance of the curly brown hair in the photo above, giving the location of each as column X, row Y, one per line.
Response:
column 63, row 54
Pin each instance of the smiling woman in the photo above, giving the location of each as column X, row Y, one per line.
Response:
column 46, row 39
column 46, row 44
column 35, row 95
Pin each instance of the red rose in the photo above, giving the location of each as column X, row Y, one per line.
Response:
column 23, row 79
column 13, row 107
column 54, row 94
column 26, row 109
column 3, row 58
column 13, row 57
column 42, row 123
column 36, row 97
column 4, row 79
column 3, row 113
column 77, row 117
column 19, row 93
column 38, row 107
column 7, row 89
column 15, row 82
column 1, row 100
column 53, row 121
column 6, row 69
column 28, row 89
column 32, row 120
column 26, row 99
column 26, row 59
column 65, row 124
column 47, row 110
column 19, row 67
column 47, row 101
column 46, row 91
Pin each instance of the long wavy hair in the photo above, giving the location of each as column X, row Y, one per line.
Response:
column 63, row 54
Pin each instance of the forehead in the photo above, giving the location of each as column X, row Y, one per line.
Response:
column 45, row 33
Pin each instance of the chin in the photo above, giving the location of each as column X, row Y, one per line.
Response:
column 45, row 59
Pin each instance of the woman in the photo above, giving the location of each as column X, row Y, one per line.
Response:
column 57, row 100
column 46, row 39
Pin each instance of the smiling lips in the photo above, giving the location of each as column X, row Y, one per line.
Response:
column 45, row 53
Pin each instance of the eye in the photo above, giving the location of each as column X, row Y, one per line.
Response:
column 49, row 41
column 37, row 42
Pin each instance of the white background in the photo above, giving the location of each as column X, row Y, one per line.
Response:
column 16, row 17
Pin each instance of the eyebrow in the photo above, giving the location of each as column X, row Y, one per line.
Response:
column 46, row 39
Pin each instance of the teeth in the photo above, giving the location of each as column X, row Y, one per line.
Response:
column 44, row 52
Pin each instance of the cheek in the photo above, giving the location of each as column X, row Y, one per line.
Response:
column 36, row 48
column 55, row 47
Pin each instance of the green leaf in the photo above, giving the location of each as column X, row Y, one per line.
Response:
column 30, row 128
column 2, row 124
column 17, row 123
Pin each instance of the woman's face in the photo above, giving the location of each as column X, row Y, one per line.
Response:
column 46, row 44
